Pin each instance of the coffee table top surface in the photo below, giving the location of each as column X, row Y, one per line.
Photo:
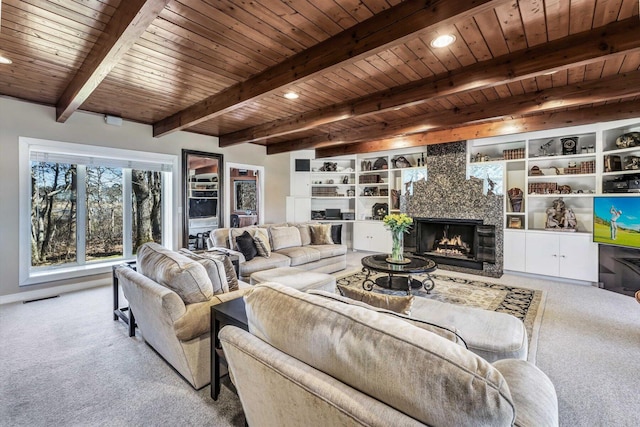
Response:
column 417, row 265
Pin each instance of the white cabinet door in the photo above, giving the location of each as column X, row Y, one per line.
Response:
column 298, row 209
column 566, row 255
column 542, row 249
column 371, row 236
column 578, row 257
column 514, row 250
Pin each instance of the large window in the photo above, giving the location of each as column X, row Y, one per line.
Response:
column 89, row 207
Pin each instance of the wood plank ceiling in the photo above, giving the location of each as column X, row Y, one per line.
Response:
column 367, row 77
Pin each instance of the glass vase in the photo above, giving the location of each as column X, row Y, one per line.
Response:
column 397, row 248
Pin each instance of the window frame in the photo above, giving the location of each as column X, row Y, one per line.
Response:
column 29, row 275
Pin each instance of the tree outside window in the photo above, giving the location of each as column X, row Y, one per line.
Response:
column 55, row 210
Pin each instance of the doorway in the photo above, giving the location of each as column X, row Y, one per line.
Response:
column 245, row 199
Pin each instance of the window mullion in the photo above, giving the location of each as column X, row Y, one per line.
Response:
column 127, row 214
column 81, row 214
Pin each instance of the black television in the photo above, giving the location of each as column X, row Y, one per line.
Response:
column 616, row 220
column 201, row 208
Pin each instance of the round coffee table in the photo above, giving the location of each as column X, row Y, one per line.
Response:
column 399, row 275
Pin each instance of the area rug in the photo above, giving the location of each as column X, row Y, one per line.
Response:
column 525, row 304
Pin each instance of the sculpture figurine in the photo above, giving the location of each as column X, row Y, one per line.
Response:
column 560, row 218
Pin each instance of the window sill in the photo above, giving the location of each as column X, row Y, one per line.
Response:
column 63, row 273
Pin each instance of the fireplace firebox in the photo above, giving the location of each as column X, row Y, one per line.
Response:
column 459, row 242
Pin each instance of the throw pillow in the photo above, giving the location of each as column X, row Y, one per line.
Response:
column 305, row 234
column 321, row 234
column 247, row 246
column 235, row 232
column 388, row 302
column 262, row 245
column 285, row 237
column 336, row 233
column 229, row 269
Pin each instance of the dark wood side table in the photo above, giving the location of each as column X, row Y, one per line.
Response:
column 228, row 313
column 122, row 313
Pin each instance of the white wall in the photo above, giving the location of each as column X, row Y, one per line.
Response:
column 18, row 118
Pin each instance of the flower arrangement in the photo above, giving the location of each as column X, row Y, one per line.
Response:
column 398, row 224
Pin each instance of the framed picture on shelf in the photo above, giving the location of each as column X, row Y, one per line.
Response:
column 515, row 222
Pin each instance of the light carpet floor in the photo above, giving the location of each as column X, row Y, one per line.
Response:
column 65, row 362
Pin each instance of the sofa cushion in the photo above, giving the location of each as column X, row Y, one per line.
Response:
column 184, row 276
column 300, row 254
column 327, row 251
column 382, row 357
column 399, row 304
column 252, row 230
column 229, row 269
column 295, row 278
column 448, row 332
column 220, row 237
column 215, row 271
column 284, row 237
column 260, row 263
column 305, row 233
column 321, row 234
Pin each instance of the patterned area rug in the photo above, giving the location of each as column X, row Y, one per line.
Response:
column 525, row 304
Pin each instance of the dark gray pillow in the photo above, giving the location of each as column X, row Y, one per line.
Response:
column 336, row 233
column 247, row 246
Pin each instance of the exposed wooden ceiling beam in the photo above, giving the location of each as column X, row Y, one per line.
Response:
column 392, row 26
column 127, row 24
column 605, row 89
column 579, row 49
column 551, row 120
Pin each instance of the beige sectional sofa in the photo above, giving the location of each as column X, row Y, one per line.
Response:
column 291, row 244
column 344, row 364
column 170, row 296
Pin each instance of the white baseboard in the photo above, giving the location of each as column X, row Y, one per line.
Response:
column 52, row 291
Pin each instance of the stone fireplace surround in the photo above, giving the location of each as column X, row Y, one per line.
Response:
column 448, row 194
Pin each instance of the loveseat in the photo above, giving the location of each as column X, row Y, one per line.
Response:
column 309, row 246
column 344, row 364
column 170, row 296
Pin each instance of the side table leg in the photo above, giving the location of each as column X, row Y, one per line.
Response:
column 215, row 359
column 115, row 293
column 132, row 324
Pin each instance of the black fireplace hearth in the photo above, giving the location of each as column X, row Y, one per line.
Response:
column 460, row 242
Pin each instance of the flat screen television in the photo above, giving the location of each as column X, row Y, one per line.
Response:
column 616, row 220
column 201, row 208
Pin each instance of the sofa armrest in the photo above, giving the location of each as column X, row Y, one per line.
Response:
column 228, row 251
column 196, row 320
column 533, row 393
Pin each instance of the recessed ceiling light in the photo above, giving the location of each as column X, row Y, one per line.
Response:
column 291, row 95
column 4, row 60
column 443, row 40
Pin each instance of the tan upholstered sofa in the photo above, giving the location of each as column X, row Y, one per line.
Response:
column 170, row 296
column 291, row 245
column 314, row 361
